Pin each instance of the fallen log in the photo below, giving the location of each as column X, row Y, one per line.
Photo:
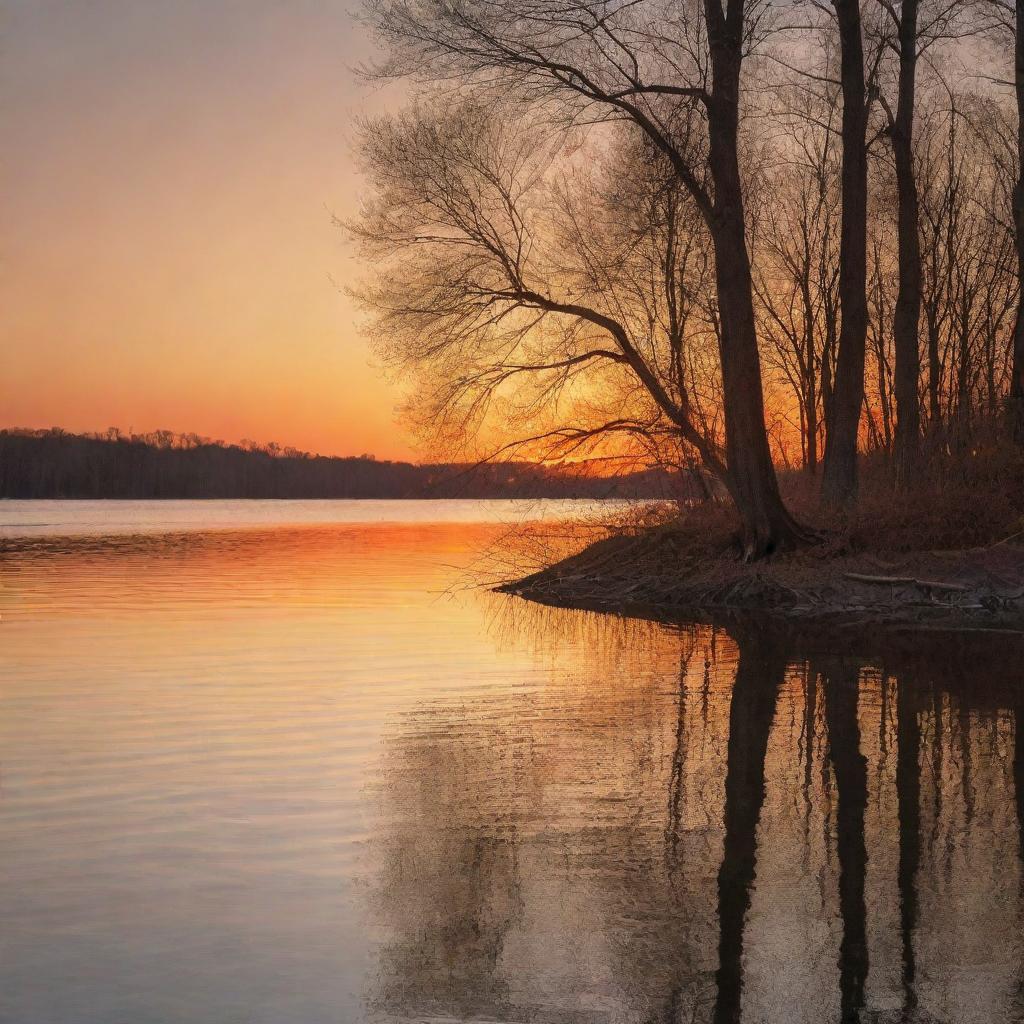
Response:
column 896, row 581
column 907, row 581
column 961, row 588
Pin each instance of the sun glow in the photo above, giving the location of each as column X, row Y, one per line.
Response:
column 170, row 257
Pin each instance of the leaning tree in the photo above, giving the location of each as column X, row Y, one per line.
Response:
column 674, row 71
column 523, row 285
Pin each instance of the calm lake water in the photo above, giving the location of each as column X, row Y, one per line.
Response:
column 275, row 763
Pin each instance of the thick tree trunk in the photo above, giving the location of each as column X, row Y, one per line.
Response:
column 1017, row 369
column 907, row 373
column 767, row 526
column 839, row 483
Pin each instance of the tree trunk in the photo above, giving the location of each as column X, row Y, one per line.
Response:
column 811, row 418
column 809, row 413
column 934, row 374
column 839, row 483
column 907, row 371
column 1017, row 370
column 766, row 524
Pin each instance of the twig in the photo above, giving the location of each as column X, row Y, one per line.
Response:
column 1006, row 540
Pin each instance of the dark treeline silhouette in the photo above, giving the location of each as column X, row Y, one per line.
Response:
column 57, row 464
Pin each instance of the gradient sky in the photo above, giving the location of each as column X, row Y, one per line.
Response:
column 167, row 256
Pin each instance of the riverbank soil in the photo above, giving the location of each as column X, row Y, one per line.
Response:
column 951, row 553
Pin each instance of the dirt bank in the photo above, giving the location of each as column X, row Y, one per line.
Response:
column 671, row 571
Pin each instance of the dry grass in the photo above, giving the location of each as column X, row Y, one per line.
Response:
column 972, row 500
column 952, row 545
column 959, row 502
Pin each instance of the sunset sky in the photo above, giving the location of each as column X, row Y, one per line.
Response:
column 167, row 252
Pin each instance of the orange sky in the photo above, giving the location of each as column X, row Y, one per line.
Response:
column 167, row 257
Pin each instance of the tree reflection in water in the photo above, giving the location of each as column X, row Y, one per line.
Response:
column 694, row 825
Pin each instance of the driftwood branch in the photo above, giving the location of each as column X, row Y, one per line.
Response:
column 907, row 581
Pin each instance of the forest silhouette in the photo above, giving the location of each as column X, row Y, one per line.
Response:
column 57, row 464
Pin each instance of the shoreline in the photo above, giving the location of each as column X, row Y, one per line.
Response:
column 660, row 573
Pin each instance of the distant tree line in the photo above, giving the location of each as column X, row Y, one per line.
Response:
column 57, row 464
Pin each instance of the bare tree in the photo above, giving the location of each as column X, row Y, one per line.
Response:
column 513, row 275
column 900, row 125
column 1009, row 21
column 879, row 383
column 673, row 70
column 798, row 265
column 839, row 483
column 911, row 28
column 970, row 279
column 592, row 228
column 797, row 260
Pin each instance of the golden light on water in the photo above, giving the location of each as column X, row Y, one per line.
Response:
column 241, row 755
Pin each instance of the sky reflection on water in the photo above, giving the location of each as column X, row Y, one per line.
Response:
column 277, row 775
